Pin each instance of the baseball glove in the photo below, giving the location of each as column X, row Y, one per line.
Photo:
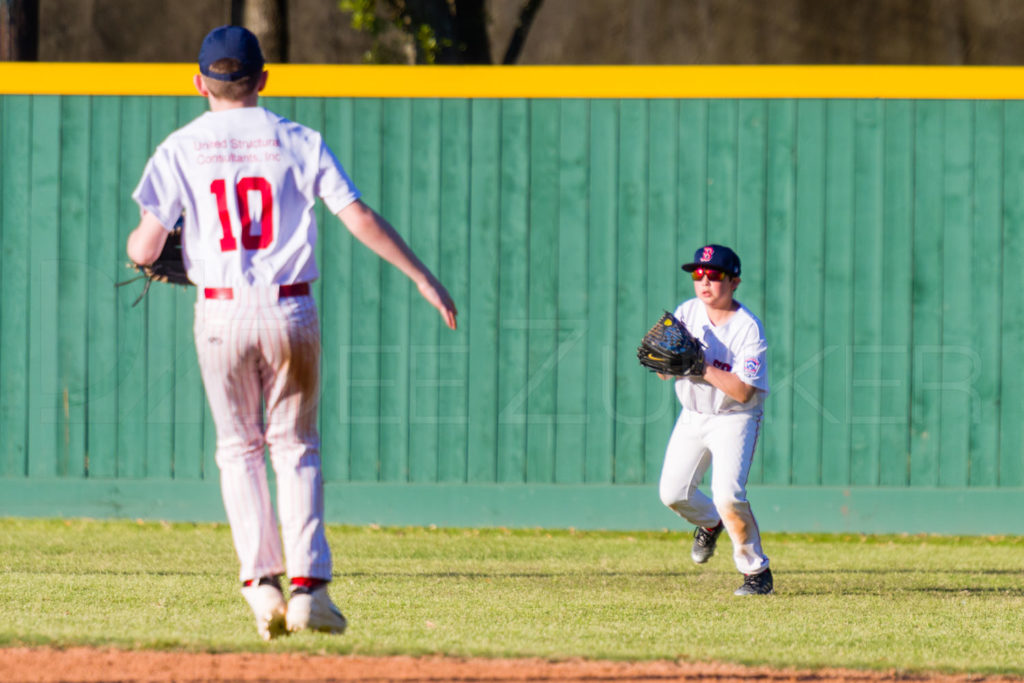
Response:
column 668, row 348
column 169, row 266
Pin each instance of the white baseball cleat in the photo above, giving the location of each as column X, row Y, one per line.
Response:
column 268, row 606
column 314, row 610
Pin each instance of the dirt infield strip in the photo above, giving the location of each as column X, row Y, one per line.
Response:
column 93, row 666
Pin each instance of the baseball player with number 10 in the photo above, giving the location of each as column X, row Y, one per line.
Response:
column 720, row 418
column 247, row 181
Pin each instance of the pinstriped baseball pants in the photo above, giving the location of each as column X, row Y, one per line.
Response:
column 726, row 443
column 260, row 357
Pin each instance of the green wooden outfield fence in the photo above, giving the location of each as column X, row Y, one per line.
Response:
column 881, row 243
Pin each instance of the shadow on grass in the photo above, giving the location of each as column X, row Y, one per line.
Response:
column 865, row 590
column 898, row 584
column 914, row 570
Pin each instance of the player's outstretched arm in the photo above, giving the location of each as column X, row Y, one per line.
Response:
column 147, row 240
column 375, row 232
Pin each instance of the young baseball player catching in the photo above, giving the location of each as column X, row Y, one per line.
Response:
column 247, row 181
column 720, row 418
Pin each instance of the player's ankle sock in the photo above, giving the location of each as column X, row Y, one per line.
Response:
column 263, row 581
column 305, row 584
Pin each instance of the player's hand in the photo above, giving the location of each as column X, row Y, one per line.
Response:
column 435, row 293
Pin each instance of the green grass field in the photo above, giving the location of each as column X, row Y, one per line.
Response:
column 913, row 604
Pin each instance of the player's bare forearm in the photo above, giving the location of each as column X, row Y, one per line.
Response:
column 728, row 382
column 147, row 240
column 375, row 232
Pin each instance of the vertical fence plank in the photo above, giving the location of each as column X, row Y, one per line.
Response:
column 4, row 426
column 869, row 302
column 838, row 292
column 425, row 239
column 721, row 171
column 661, row 406
column 395, row 296
column 602, row 283
column 805, row 376
column 631, row 320
column 72, row 285
column 778, row 272
column 189, row 397
column 194, row 432
column 756, row 127
column 364, row 345
column 479, row 314
column 543, row 291
column 132, row 399
column 160, row 306
column 15, row 273
column 193, row 426
column 513, row 375
column 453, row 266
column 985, row 314
column 693, row 184
column 959, row 361
column 311, row 112
column 107, row 259
column 758, row 121
column 927, row 293
column 336, row 246
column 570, row 404
column 44, row 403
column 895, row 347
column 1011, row 447
column 5, row 465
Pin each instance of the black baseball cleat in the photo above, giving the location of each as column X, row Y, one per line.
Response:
column 704, row 541
column 756, row 584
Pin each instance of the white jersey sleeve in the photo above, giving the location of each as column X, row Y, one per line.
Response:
column 738, row 346
column 158, row 192
column 247, row 181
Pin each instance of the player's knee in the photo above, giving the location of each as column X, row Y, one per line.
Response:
column 239, row 453
column 730, row 503
column 675, row 497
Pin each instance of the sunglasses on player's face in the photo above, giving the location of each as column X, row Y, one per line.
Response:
column 711, row 274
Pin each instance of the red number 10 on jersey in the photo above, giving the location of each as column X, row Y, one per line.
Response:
column 242, row 190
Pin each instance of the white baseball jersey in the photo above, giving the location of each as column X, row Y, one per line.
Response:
column 247, row 181
column 736, row 346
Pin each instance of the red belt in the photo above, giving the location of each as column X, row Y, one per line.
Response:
column 298, row 289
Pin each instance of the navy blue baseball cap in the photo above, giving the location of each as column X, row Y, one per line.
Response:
column 715, row 256
column 231, row 42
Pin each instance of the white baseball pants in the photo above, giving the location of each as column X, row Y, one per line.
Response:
column 725, row 443
column 255, row 349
